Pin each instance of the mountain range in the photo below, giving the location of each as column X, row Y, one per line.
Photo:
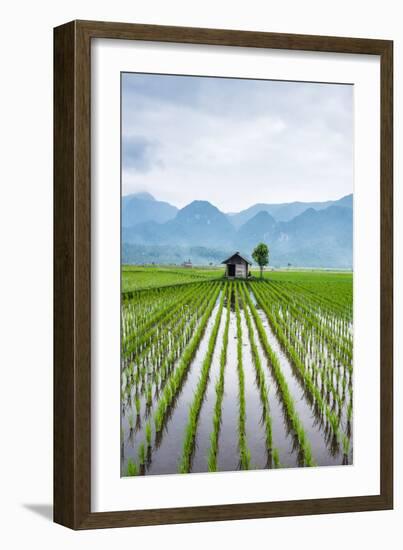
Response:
column 315, row 234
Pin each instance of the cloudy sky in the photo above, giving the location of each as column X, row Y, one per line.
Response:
column 235, row 142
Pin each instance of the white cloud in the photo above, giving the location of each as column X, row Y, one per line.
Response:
column 235, row 142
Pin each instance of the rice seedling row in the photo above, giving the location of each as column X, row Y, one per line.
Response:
column 133, row 344
column 219, row 391
column 309, row 384
column 173, row 385
column 321, row 380
column 273, row 457
column 244, row 451
column 188, row 444
column 312, row 346
column 167, row 341
column 314, row 319
column 288, row 401
column 167, row 371
column 136, row 277
column 306, row 320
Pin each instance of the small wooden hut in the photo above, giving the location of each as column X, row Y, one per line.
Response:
column 237, row 266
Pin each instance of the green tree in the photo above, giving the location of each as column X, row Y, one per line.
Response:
column 261, row 256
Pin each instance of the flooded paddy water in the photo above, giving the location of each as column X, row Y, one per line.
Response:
column 165, row 446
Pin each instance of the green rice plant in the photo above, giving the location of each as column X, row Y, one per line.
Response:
column 312, row 311
column 243, row 447
column 260, row 377
column 132, row 468
column 142, row 454
column 346, row 445
column 276, row 459
column 148, row 433
column 190, row 431
column 176, row 337
column 286, row 397
column 149, row 395
column 245, row 455
column 219, row 389
column 138, row 405
column 154, row 343
column 298, row 364
column 137, row 280
column 350, row 410
column 177, row 376
column 172, row 307
column 334, row 421
column 302, row 308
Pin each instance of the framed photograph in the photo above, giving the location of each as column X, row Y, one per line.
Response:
column 223, row 260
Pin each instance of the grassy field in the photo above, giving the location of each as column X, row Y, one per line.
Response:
column 136, row 277
column 223, row 375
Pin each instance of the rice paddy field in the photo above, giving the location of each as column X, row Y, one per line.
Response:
column 138, row 277
column 221, row 375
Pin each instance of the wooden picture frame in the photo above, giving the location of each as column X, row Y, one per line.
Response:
column 72, row 272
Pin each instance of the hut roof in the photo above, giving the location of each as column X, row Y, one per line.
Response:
column 228, row 260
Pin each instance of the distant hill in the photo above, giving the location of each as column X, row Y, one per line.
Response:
column 201, row 223
column 260, row 228
column 142, row 207
column 316, row 237
column 197, row 224
column 287, row 211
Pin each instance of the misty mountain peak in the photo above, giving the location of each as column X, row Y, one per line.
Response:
column 304, row 234
column 199, row 210
column 143, row 207
column 200, row 206
column 144, row 196
column 262, row 217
